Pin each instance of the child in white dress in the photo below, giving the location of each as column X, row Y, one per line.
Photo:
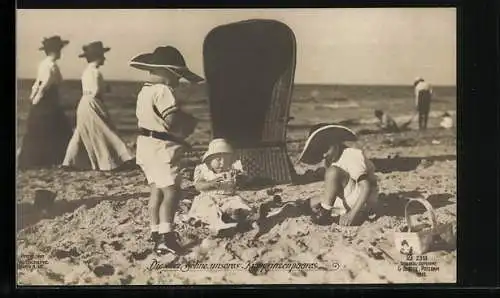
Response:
column 217, row 179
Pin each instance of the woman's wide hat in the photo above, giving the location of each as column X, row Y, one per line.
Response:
column 217, row 146
column 94, row 49
column 321, row 138
column 166, row 57
column 54, row 43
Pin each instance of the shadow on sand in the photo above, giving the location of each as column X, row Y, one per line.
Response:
column 393, row 204
column 405, row 164
column 29, row 214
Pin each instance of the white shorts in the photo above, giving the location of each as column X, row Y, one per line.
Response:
column 159, row 161
column 351, row 194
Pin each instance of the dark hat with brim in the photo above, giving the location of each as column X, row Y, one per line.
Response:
column 95, row 48
column 167, row 58
column 417, row 80
column 53, row 43
column 320, row 139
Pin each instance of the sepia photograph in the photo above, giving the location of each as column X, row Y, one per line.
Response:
column 236, row 146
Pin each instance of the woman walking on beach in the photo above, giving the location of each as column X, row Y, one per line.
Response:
column 95, row 143
column 48, row 131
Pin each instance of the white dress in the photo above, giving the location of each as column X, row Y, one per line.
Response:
column 47, row 129
column 209, row 206
column 95, row 143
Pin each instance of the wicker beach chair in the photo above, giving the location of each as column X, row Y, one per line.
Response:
column 249, row 68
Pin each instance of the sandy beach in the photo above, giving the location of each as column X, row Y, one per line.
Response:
column 95, row 232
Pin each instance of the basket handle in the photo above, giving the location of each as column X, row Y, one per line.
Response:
column 427, row 206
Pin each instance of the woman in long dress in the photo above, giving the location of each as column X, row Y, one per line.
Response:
column 95, row 143
column 47, row 130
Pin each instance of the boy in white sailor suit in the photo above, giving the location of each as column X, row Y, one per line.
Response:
column 160, row 145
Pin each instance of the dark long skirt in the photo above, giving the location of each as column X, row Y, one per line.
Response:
column 47, row 133
column 424, row 107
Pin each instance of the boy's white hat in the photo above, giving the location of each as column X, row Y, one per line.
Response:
column 217, row 146
column 322, row 137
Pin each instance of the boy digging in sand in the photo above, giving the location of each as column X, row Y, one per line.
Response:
column 351, row 189
column 163, row 128
column 217, row 178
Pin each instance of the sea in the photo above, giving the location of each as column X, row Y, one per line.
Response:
column 310, row 103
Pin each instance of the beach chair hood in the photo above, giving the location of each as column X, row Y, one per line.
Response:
column 249, row 68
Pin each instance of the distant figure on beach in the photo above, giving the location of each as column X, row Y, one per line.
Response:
column 351, row 188
column 48, row 130
column 95, row 143
column 446, row 121
column 386, row 123
column 161, row 143
column 423, row 97
column 217, row 178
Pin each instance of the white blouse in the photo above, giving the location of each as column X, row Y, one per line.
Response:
column 48, row 75
column 92, row 81
column 421, row 86
column 203, row 173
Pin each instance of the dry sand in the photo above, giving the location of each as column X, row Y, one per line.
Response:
column 95, row 232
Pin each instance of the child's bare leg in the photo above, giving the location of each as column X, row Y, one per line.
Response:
column 167, row 212
column 335, row 181
column 155, row 201
column 168, row 207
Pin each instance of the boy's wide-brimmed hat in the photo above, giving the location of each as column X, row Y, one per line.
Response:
column 321, row 138
column 217, row 146
column 53, row 43
column 94, row 49
column 165, row 57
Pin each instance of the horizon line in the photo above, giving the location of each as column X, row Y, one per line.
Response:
column 295, row 83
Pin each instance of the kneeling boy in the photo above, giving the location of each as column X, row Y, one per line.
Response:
column 351, row 188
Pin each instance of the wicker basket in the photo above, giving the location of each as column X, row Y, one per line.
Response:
column 420, row 242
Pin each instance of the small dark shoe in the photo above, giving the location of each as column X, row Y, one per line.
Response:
column 305, row 207
column 169, row 243
column 321, row 216
column 154, row 237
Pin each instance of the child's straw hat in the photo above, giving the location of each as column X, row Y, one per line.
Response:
column 217, row 146
column 319, row 140
column 167, row 58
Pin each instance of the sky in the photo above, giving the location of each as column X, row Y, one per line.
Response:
column 387, row 46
